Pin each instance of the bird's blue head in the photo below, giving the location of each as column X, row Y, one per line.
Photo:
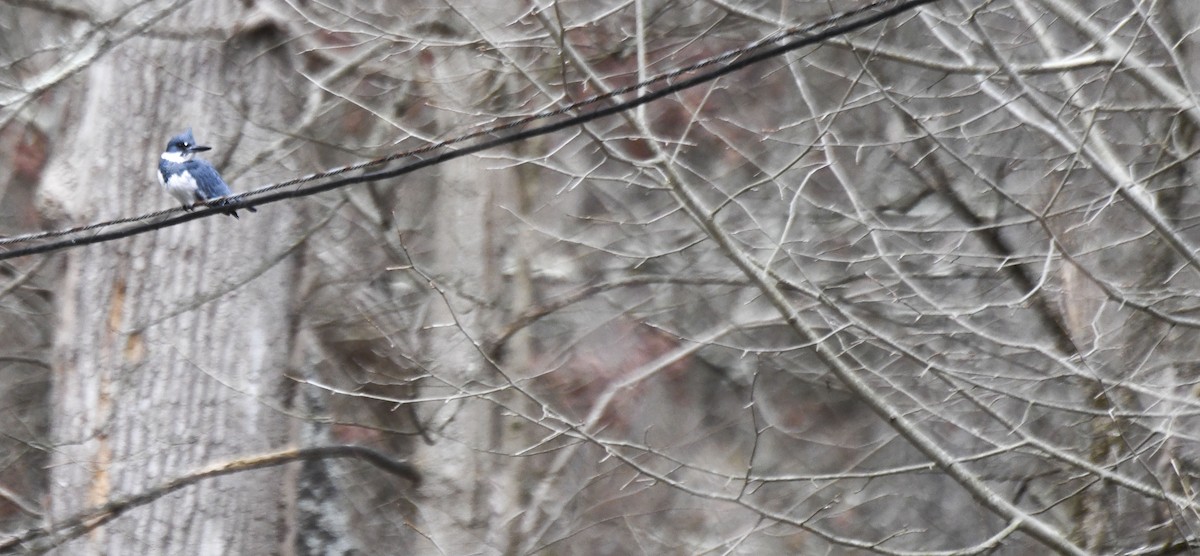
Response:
column 182, row 147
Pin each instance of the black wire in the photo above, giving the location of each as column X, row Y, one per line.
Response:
column 491, row 130
column 244, row 200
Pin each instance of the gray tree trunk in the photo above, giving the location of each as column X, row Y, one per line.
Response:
column 467, row 493
column 171, row 347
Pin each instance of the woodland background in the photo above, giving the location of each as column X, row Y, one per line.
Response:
column 928, row 287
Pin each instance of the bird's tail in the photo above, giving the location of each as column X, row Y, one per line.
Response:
column 233, row 213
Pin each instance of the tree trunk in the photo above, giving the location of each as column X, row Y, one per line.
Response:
column 172, row 346
column 466, row 493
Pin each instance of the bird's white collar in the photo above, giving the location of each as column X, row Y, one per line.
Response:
column 178, row 158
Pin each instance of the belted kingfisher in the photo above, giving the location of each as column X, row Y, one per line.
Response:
column 191, row 180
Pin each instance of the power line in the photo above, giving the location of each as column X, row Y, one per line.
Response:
column 758, row 51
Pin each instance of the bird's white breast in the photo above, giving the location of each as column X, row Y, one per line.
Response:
column 181, row 186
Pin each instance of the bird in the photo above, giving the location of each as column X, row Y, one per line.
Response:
column 189, row 179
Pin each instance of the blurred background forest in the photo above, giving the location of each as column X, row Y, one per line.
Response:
column 926, row 287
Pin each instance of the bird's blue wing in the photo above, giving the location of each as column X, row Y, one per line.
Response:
column 208, row 182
